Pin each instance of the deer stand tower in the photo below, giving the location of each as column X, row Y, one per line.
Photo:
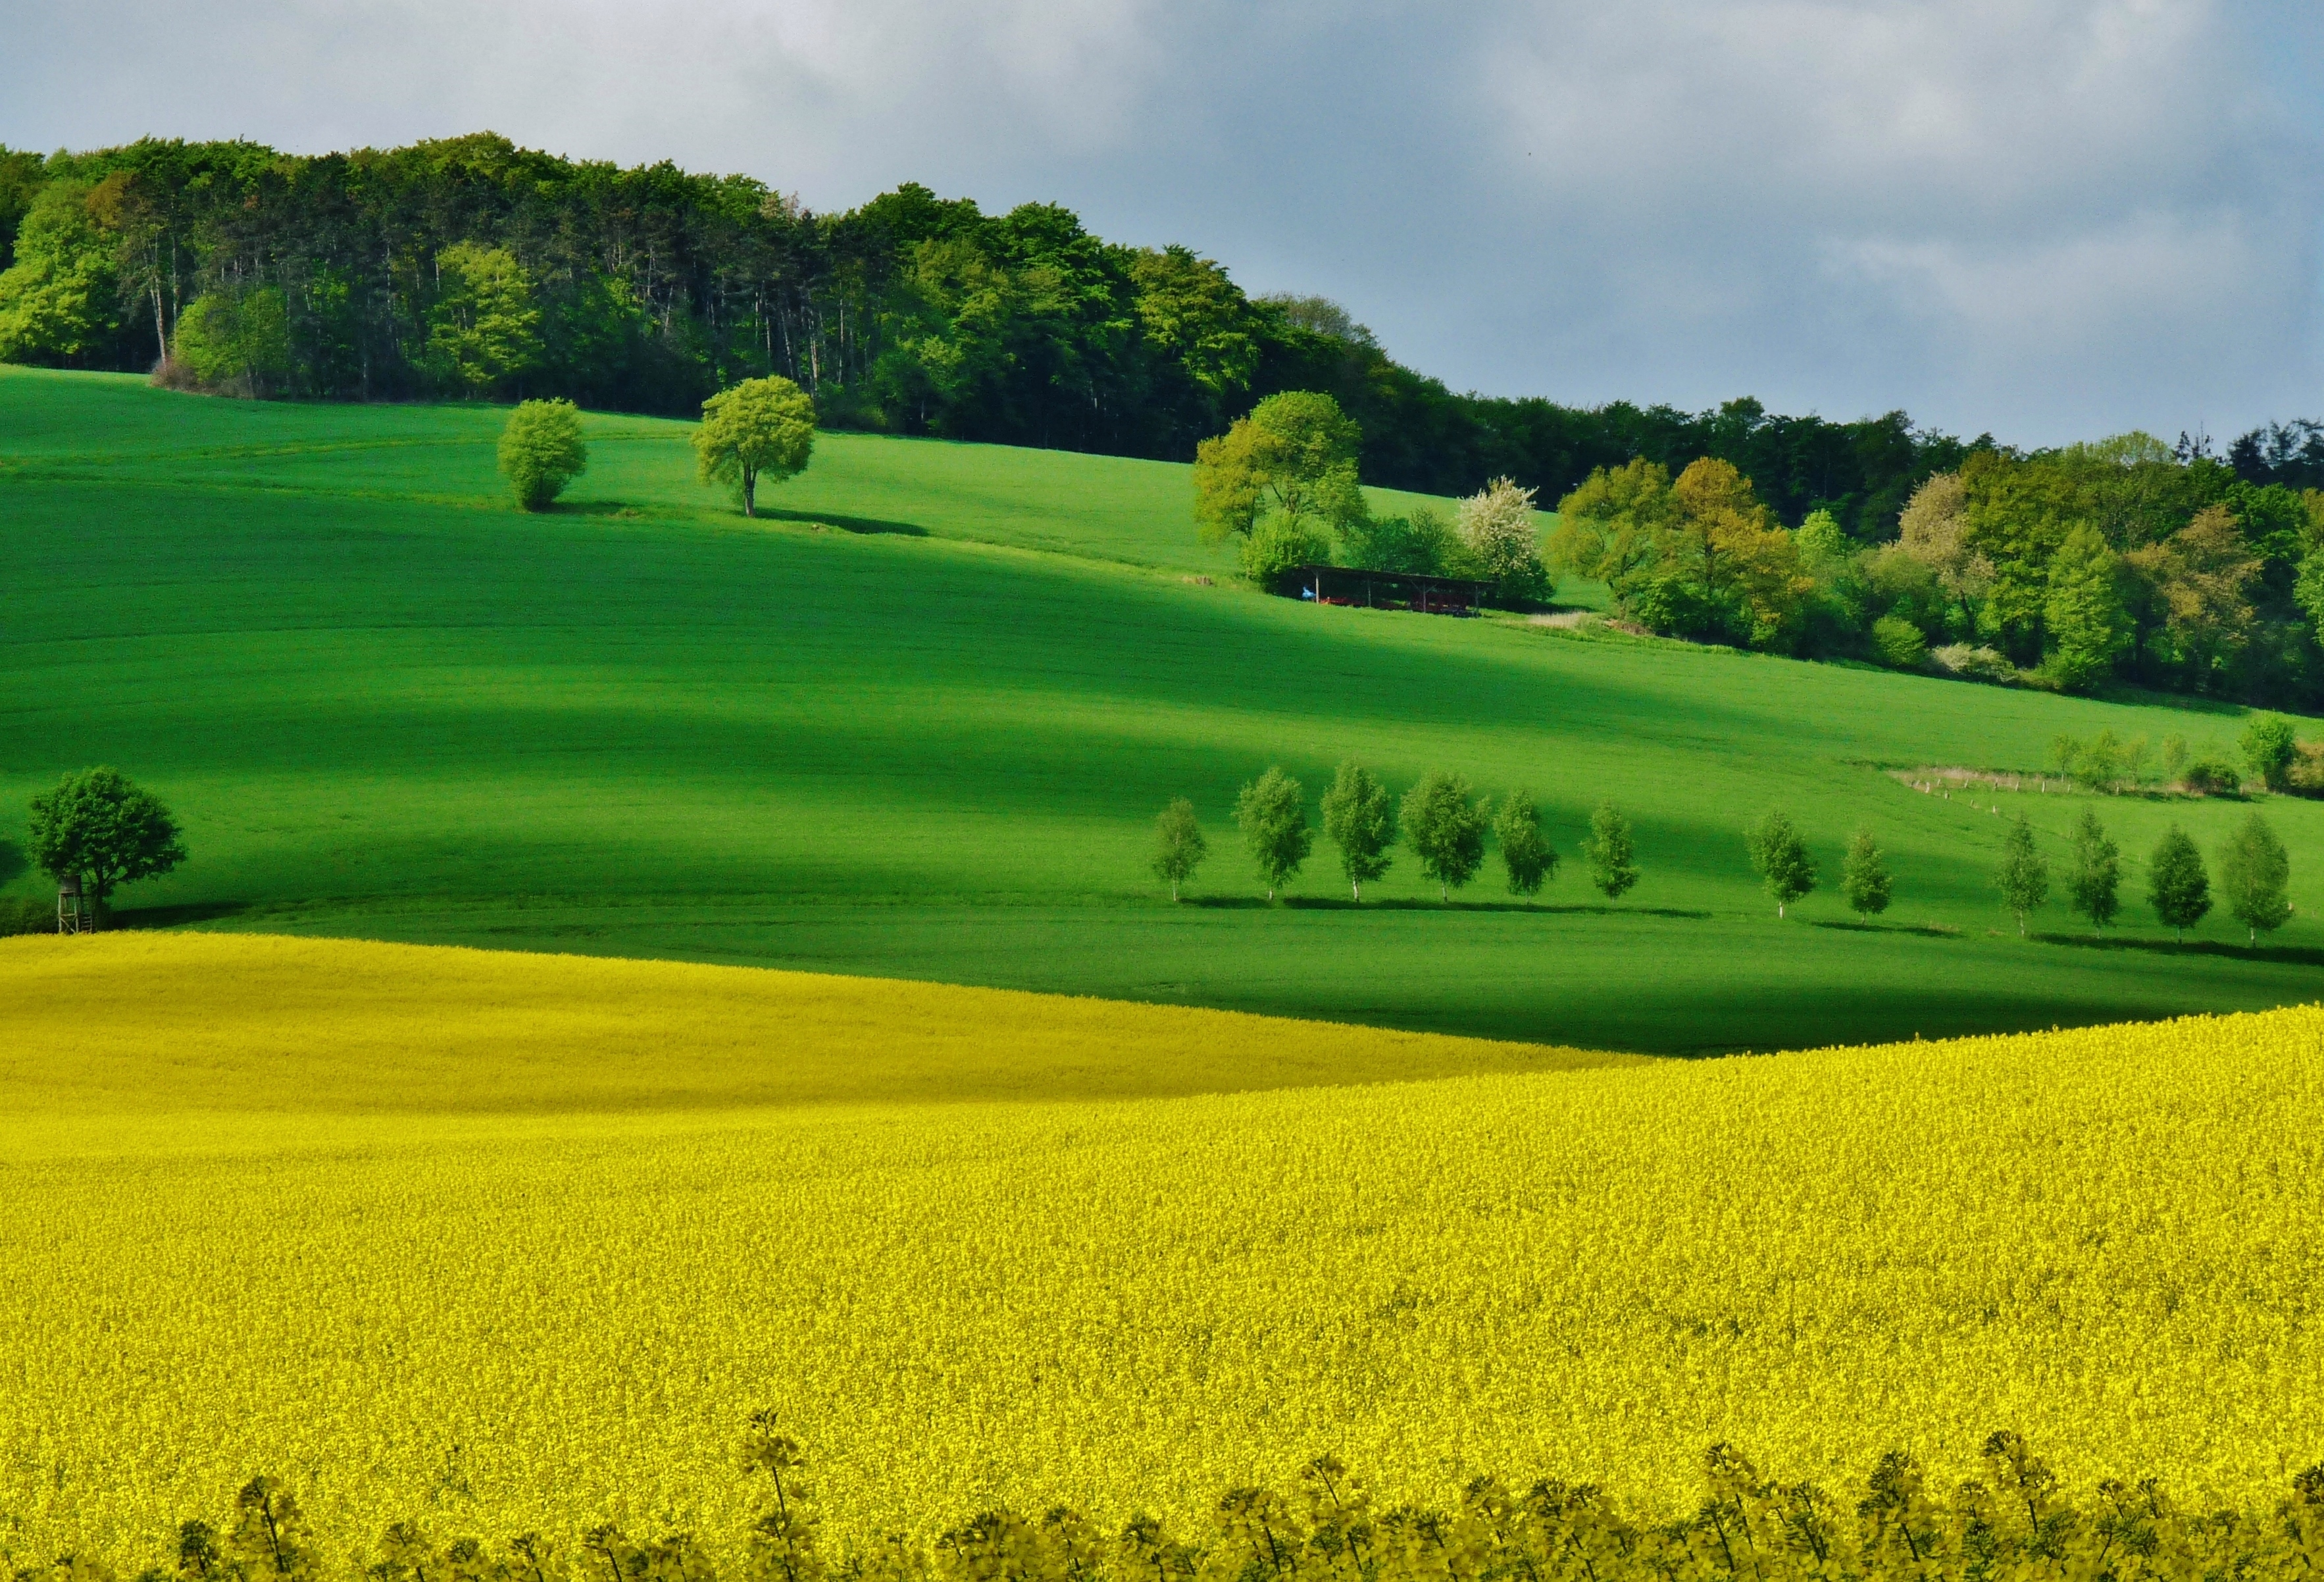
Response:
column 76, row 913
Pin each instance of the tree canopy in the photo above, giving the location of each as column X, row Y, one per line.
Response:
column 99, row 827
column 760, row 429
column 541, row 451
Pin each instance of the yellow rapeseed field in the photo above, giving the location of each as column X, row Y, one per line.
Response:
column 304, row 1209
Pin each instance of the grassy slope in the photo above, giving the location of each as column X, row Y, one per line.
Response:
column 386, row 705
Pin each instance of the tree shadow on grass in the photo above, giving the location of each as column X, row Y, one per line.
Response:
column 170, row 917
column 1407, row 903
column 12, row 861
column 2277, row 954
column 1926, row 930
column 855, row 524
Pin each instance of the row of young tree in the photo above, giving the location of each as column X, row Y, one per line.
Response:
column 1443, row 822
column 2127, row 560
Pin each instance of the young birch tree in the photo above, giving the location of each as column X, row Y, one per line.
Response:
column 1360, row 819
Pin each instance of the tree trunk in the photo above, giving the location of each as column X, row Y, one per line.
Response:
column 750, row 492
column 1357, row 886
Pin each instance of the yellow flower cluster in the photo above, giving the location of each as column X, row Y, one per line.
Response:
column 513, row 1317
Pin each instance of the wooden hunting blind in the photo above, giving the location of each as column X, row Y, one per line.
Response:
column 75, row 914
column 1384, row 590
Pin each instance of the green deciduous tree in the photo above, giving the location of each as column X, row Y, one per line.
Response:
column 1611, row 526
column 1613, row 860
column 1360, row 819
column 235, row 343
column 1445, row 828
column 2269, row 747
column 1272, row 813
column 1780, row 857
column 760, row 428
column 2255, row 872
column 2083, row 614
column 99, row 827
column 541, row 451
column 1280, row 481
column 1864, row 875
column 57, row 300
column 1179, row 845
column 2023, row 878
column 2177, row 887
column 1525, row 851
column 483, row 329
column 2094, row 874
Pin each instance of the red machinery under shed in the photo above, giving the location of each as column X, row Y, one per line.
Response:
column 1384, row 590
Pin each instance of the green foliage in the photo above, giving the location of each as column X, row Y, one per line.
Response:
column 1780, row 857
column 99, row 826
column 2211, row 777
column 1421, row 541
column 1360, row 819
column 541, row 450
column 2022, row 877
column 1179, row 847
column 57, row 298
column 2083, row 614
column 2269, row 747
column 2178, row 888
column 1610, row 851
column 2094, row 874
column 1898, row 644
column 1445, row 828
column 760, row 427
column 1864, row 879
column 1525, row 851
column 1272, row 813
column 483, row 330
column 2254, row 873
column 235, row 344
column 1285, row 476
column 1279, row 544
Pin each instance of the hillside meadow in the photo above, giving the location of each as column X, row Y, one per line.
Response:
column 918, row 722
column 501, row 1296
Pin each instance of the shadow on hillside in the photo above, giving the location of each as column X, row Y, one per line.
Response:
column 2276, row 955
column 170, row 917
column 856, row 525
column 1407, row 903
column 1927, row 931
column 11, row 860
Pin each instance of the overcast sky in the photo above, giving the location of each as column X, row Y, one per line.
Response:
column 2050, row 219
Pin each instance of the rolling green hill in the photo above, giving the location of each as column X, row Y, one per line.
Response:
column 918, row 726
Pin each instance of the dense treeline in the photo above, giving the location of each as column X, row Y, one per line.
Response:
column 468, row 266
column 2012, row 1522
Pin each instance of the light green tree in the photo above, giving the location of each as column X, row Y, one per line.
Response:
column 2094, row 875
column 541, row 451
column 60, row 297
column 1780, row 857
column 1445, row 828
column 759, row 428
column 1272, row 813
column 1864, row 880
column 1611, row 852
column 1179, row 847
column 483, row 329
column 100, row 829
column 2083, row 613
column 2023, row 878
column 237, row 344
column 1281, row 483
column 2177, row 887
column 2255, row 872
column 1525, row 851
column 1360, row 819
column 2270, row 745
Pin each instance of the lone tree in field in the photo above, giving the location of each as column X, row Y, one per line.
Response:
column 2023, row 878
column 2253, row 872
column 1272, row 812
column 1360, row 819
column 1497, row 528
column 98, row 827
column 2094, row 878
column 2269, row 747
column 541, row 451
column 1526, row 851
column 760, row 428
column 1780, row 857
column 1281, row 483
column 1179, row 845
column 1864, row 875
column 1445, row 828
column 2177, row 887
column 1613, row 860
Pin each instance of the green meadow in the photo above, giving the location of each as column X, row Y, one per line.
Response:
column 916, row 722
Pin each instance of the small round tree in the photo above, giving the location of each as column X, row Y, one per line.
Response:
column 2095, row 876
column 2269, row 747
column 1179, row 845
column 2255, row 870
column 541, row 451
column 2023, row 878
column 1360, row 819
column 1526, row 851
column 1613, row 860
column 2177, row 887
column 1780, row 859
column 98, row 827
column 1446, row 829
column 1272, row 812
column 1864, row 875
column 760, row 428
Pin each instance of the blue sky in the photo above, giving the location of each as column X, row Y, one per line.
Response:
column 2048, row 218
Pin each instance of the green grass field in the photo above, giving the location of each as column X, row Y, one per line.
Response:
column 918, row 724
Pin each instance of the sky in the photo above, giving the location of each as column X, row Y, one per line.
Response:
column 2046, row 219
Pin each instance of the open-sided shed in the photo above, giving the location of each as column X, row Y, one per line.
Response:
column 1384, row 590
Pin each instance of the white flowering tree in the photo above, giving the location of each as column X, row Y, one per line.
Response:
column 1497, row 529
